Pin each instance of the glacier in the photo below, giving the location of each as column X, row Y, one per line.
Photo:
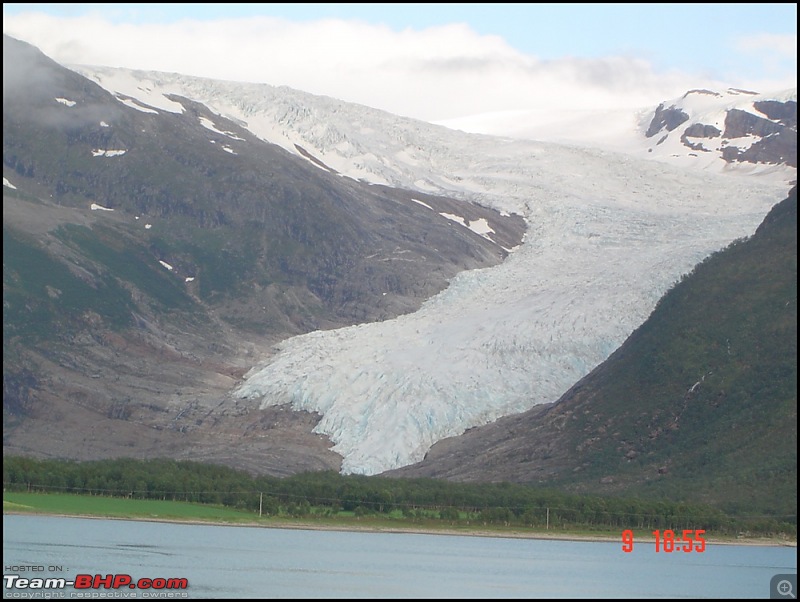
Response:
column 608, row 234
column 607, row 238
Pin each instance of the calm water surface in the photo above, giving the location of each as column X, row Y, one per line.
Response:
column 254, row 562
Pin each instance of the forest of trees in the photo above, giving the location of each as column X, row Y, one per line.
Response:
column 330, row 494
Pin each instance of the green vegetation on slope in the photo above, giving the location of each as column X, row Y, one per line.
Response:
column 701, row 402
column 129, row 262
column 42, row 297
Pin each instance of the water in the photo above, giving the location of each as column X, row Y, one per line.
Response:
column 253, row 562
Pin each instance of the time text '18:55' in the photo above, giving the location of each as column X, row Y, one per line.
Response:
column 690, row 540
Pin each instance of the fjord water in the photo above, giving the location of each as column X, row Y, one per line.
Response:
column 256, row 562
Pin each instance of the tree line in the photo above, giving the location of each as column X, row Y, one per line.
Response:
column 328, row 493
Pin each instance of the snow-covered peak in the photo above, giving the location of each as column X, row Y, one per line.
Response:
column 699, row 101
column 734, row 132
column 710, row 107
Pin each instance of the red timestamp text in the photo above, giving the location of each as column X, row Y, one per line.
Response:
column 690, row 540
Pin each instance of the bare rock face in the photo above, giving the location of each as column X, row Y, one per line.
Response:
column 778, row 143
column 666, row 118
column 740, row 123
column 699, row 130
column 785, row 112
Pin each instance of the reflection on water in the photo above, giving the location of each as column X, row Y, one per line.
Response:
column 253, row 562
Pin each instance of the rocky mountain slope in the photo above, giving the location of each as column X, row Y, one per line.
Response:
column 146, row 252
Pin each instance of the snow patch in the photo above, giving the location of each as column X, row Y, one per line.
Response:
column 134, row 105
column 208, row 124
column 108, row 153
column 422, row 203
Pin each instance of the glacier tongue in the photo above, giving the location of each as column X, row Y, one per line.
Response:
column 607, row 237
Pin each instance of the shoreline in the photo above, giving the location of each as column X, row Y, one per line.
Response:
column 410, row 529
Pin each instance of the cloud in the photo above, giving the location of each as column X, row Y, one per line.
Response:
column 776, row 55
column 783, row 45
column 432, row 74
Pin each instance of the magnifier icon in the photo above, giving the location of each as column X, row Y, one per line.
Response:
column 784, row 588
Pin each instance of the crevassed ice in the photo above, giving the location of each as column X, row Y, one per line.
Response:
column 608, row 235
column 603, row 246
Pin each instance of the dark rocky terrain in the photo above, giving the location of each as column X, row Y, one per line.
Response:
column 147, row 257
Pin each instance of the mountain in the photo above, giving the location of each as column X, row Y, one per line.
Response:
column 733, row 131
column 377, row 147
column 607, row 234
column 147, row 252
column 699, row 403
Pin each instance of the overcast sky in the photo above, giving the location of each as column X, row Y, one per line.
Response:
column 436, row 61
